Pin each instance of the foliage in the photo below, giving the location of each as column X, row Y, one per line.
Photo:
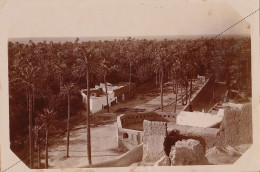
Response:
column 42, row 68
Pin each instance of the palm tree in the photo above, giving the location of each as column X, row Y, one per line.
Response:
column 161, row 60
column 38, row 138
column 105, row 66
column 27, row 79
column 67, row 89
column 47, row 118
column 86, row 63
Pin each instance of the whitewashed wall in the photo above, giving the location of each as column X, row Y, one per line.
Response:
column 97, row 102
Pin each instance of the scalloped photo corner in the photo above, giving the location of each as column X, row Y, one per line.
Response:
column 135, row 85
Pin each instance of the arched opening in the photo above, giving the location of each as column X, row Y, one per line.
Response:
column 125, row 135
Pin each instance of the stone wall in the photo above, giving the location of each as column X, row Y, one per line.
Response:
column 155, row 133
column 187, row 152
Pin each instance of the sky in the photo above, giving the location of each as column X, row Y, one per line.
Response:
column 122, row 18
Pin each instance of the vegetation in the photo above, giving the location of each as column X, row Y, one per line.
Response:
column 40, row 71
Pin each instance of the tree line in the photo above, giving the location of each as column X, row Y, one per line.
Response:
column 45, row 78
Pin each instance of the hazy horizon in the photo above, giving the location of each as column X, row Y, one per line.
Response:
column 109, row 38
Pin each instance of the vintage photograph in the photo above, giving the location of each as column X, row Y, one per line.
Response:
column 134, row 100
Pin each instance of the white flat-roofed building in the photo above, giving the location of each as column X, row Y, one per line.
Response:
column 98, row 100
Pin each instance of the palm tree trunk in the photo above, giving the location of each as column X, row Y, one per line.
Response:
column 162, row 90
column 213, row 97
column 39, row 153
column 186, row 89
column 68, row 126
column 239, row 76
column 159, row 79
column 173, row 86
column 130, row 73
column 30, row 131
column 88, row 116
column 176, row 97
column 227, row 79
column 156, row 78
column 182, row 102
column 27, row 101
column 33, row 100
column 46, row 145
column 106, row 93
column 190, row 87
column 60, row 81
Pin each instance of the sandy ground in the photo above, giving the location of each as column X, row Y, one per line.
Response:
column 103, row 144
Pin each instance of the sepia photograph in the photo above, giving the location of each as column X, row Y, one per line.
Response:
column 178, row 97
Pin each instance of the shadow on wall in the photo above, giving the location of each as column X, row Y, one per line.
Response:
column 175, row 136
column 204, row 99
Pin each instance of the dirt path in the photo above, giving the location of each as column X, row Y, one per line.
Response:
column 104, row 147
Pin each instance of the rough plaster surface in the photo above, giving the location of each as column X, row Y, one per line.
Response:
column 188, row 152
column 154, row 135
column 237, row 125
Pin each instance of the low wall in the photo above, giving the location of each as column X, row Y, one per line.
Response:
column 133, row 156
column 203, row 100
column 125, row 90
column 167, row 116
column 98, row 103
column 133, row 118
column 129, row 138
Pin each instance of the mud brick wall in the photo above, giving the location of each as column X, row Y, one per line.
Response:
column 125, row 90
column 208, row 137
column 154, row 135
column 125, row 160
column 129, row 138
column 237, row 125
column 133, row 118
column 205, row 96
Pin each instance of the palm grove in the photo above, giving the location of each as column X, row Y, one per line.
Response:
column 45, row 79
